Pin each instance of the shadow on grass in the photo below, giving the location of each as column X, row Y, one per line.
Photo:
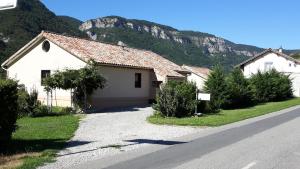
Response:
column 25, row 146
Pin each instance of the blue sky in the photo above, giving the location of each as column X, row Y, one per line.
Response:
column 262, row 23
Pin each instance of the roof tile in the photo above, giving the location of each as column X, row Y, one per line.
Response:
column 116, row 55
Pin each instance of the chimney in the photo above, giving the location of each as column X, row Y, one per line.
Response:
column 280, row 50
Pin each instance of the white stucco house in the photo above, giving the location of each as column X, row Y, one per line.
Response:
column 133, row 76
column 198, row 75
column 274, row 59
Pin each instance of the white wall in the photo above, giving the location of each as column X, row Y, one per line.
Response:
column 121, row 83
column 281, row 64
column 200, row 81
column 28, row 69
column 295, row 77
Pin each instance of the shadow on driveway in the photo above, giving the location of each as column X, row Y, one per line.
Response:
column 133, row 142
column 150, row 141
column 119, row 110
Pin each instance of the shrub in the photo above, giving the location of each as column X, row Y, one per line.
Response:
column 8, row 108
column 177, row 99
column 23, row 97
column 271, row 86
column 216, row 86
column 238, row 88
column 33, row 103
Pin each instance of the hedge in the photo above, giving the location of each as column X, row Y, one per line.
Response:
column 8, row 108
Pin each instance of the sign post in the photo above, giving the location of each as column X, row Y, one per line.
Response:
column 201, row 97
column 8, row 4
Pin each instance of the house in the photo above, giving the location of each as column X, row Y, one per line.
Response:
column 198, row 75
column 274, row 59
column 133, row 76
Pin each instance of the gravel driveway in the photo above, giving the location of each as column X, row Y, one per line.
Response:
column 105, row 134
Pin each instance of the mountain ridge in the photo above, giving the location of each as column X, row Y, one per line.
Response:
column 20, row 25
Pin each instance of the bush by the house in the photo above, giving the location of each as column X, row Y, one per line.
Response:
column 217, row 87
column 238, row 89
column 8, row 108
column 83, row 82
column 28, row 103
column 177, row 99
column 271, row 86
column 23, row 96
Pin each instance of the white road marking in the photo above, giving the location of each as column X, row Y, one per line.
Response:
column 249, row 165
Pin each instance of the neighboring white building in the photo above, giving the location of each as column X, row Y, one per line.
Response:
column 133, row 76
column 198, row 75
column 272, row 59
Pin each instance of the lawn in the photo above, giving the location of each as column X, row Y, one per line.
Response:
column 225, row 116
column 37, row 140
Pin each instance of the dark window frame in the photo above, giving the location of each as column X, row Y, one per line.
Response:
column 138, row 80
column 44, row 74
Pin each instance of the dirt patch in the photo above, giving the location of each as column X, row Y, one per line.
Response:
column 14, row 161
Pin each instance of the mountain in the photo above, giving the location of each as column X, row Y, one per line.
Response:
column 20, row 25
column 182, row 47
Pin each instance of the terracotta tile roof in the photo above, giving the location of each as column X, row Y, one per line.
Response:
column 200, row 71
column 115, row 55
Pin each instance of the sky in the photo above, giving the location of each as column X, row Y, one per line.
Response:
column 262, row 23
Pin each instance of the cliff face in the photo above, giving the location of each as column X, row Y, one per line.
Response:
column 210, row 43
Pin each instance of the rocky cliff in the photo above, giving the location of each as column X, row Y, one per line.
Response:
column 211, row 43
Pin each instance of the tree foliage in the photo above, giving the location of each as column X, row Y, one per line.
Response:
column 8, row 108
column 271, row 86
column 217, row 87
column 177, row 99
column 83, row 82
column 239, row 91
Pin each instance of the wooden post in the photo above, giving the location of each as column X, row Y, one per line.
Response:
column 51, row 101
column 85, row 99
column 196, row 111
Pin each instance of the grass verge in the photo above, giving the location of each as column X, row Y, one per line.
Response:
column 225, row 116
column 37, row 140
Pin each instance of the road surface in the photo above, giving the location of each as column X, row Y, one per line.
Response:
column 267, row 142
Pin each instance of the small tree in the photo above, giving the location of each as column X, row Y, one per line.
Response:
column 177, row 99
column 239, row 92
column 216, row 86
column 83, row 82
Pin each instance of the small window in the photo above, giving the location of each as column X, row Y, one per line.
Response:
column 290, row 65
column 138, row 80
column 44, row 75
column 46, row 46
column 268, row 66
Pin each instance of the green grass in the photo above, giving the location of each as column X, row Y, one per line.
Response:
column 225, row 116
column 41, row 138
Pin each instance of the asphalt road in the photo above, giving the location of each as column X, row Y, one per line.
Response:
column 267, row 143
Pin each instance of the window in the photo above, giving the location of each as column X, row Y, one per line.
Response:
column 46, row 46
column 44, row 74
column 268, row 66
column 138, row 80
